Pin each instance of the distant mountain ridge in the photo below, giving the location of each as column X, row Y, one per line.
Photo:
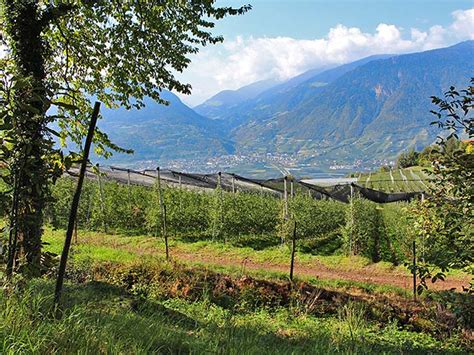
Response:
column 377, row 109
column 159, row 132
column 225, row 100
column 372, row 108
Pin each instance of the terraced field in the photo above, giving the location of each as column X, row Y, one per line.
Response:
column 397, row 180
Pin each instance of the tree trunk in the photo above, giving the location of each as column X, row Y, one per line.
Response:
column 32, row 143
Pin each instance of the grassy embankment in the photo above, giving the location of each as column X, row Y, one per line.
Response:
column 121, row 296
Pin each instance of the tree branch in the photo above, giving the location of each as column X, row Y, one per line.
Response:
column 53, row 13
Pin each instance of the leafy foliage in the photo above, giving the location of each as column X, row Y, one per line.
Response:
column 445, row 221
column 410, row 158
column 247, row 219
column 61, row 54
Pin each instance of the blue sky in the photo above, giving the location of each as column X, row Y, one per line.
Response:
column 280, row 39
column 303, row 19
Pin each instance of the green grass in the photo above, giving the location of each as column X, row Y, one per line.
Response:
column 124, row 249
column 102, row 315
column 100, row 318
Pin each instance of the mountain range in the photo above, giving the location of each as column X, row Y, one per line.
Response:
column 373, row 108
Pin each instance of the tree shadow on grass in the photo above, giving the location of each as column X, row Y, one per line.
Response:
column 102, row 295
column 107, row 314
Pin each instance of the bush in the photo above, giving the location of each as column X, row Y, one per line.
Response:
column 410, row 158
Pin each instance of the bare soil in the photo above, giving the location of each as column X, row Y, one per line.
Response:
column 320, row 271
column 314, row 269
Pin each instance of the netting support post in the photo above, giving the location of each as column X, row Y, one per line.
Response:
column 221, row 198
column 351, row 232
column 165, row 234
column 293, row 250
column 423, row 236
column 101, row 197
column 75, row 206
column 160, row 197
column 129, row 186
column 414, row 271
column 285, row 196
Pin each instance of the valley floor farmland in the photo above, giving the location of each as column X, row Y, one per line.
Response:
column 226, row 288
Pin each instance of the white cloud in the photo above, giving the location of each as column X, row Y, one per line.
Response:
column 241, row 61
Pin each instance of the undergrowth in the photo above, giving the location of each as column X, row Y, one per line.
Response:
column 163, row 308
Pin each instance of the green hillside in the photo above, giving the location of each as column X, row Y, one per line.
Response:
column 375, row 111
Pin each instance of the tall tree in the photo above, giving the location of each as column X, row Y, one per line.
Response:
column 56, row 55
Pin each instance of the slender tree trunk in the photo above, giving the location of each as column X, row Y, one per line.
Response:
column 28, row 165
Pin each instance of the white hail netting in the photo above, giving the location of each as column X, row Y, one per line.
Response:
column 341, row 190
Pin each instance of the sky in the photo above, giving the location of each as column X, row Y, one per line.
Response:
column 279, row 39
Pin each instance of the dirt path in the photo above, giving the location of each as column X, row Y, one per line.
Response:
column 314, row 268
column 320, row 271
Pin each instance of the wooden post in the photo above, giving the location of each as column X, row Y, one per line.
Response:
column 221, row 198
column 233, row 185
column 179, row 181
column 130, row 204
column 293, row 249
column 165, row 234
column 75, row 205
column 414, row 271
column 75, row 233
column 101, row 197
column 292, row 191
column 129, row 187
column 351, row 232
column 423, row 240
column 160, row 196
column 285, row 196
